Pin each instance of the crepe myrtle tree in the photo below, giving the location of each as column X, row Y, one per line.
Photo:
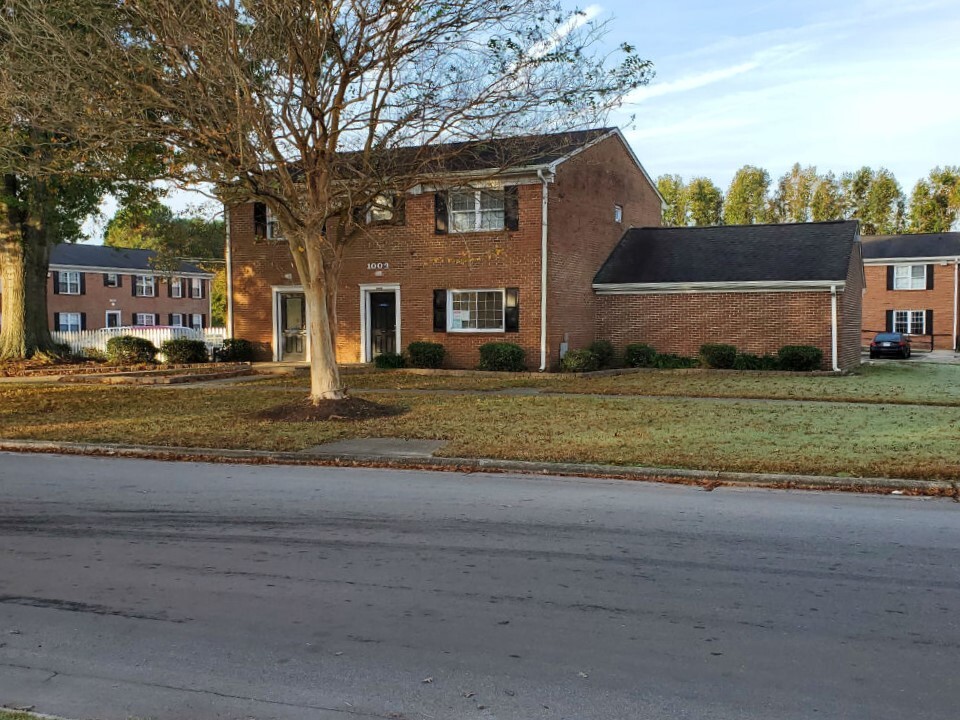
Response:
column 320, row 108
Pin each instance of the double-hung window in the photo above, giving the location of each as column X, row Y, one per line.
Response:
column 111, row 280
column 148, row 319
column 476, row 210
column 909, row 277
column 196, row 287
column 911, row 322
column 176, row 320
column 69, row 322
column 475, row 310
column 69, row 282
column 176, row 287
column 145, row 286
column 273, row 227
column 196, row 321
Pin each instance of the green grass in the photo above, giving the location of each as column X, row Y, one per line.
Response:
column 904, row 441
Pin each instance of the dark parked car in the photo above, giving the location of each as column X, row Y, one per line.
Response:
column 890, row 345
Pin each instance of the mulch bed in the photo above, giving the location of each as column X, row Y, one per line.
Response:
column 304, row 410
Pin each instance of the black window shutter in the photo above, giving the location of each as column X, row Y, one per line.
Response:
column 399, row 209
column 511, row 208
column 929, row 277
column 119, row 280
column 440, row 213
column 889, row 277
column 170, row 319
column 156, row 318
column 83, row 283
column 889, row 320
column 203, row 321
column 439, row 310
column 56, row 283
column 259, row 220
column 133, row 285
column 83, row 321
column 511, row 310
column 189, row 289
column 56, row 321
column 106, row 282
column 170, row 287
column 928, row 325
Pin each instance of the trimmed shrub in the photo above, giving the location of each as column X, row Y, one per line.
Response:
column 803, row 358
column 718, row 356
column 639, row 355
column 604, row 351
column 388, row 361
column 670, row 361
column 426, row 354
column 179, row 351
column 580, row 361
column 130, row 350
column 236, row 350
column 502, row 357
column 746, row 361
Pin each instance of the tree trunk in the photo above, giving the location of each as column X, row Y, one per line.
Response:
column 325, row 381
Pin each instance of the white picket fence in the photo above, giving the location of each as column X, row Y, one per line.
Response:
column 96, row 340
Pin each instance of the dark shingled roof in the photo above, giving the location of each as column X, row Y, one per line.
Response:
column 101, row 256
column 734, row 253
column 926, row 245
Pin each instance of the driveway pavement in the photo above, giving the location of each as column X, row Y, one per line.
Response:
column 134, row 588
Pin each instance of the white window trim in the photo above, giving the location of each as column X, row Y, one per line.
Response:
column 380, row 202
column 177, row 323
column 450, row 328
column 196, row 286
column 910, row 330
column 477, row 212
column 61, row 324
column 116, row 279
column 176, row 287
column 273, row 227
column 152, row 316
column 106, row 318
column 618, row 214
column 196, row 317
column 923, row 283
column 64, row 282
column 153, row 285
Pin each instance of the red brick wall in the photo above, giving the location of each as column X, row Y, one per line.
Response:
column 97, row 300
column 755, row 322
column 582, row 233
column 878, row 300
column 419, row 260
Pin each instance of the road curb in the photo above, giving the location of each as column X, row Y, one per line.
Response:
column 708, row 479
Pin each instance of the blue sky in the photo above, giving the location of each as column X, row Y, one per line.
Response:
column 833, row 84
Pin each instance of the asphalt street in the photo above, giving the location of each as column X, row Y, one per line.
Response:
column 145, row 589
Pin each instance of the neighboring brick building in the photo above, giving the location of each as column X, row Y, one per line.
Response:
column 912, row 287
column 757, row 287
column 95, row 286
column 462, row 263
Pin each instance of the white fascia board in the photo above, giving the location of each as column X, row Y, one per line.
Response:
column 717, row 287
column 910, row 260
column 126, row 271
column 525, row 175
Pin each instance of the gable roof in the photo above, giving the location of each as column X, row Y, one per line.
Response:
column 102, row 257
column 924, row 245
column 761, row 254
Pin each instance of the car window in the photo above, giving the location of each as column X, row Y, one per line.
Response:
column 888, row 337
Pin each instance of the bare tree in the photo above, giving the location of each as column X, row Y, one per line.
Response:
column 317, row 108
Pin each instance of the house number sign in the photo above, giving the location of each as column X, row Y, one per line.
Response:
column 378, row 266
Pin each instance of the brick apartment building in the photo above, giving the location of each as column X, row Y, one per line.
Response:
column 912, row 287
column 488, row 254
column 95, row 286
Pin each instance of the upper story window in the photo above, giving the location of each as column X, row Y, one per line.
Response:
column 196, row 287
column 618, row 213
column 476, row 210
column 910, row 277
column 111, row 280
column 385, row 208
column 176, row 287
column 273, row 227
column 69, row 281
column 144, row 286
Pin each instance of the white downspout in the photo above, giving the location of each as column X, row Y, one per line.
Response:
column 228, row 258
column 956, row 299
column 543, row 271
column 833, row 326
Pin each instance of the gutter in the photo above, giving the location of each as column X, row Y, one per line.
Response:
column 229, row 259
column 956, row 299
column 543, row 270
column 833, row 327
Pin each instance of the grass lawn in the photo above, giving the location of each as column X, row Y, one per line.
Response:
column 904, row 441
column 881, row 382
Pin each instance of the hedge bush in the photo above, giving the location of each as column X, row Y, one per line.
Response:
column 718, row 355
column 747, row 361
column 803, row 358
column 580, row 361
column 604, row 351
column 184, row 350
column 130, row 350
column 389, row 361
column 426, row 354
column 670, row 361
column 502, row 357
column 236, row 350
column 639, row 355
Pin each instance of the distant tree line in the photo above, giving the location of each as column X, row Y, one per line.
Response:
column 874, row 197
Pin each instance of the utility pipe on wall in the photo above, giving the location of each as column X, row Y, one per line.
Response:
column 956, row 298
column 543, row 270
column 833, row 327
column 228, row 256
